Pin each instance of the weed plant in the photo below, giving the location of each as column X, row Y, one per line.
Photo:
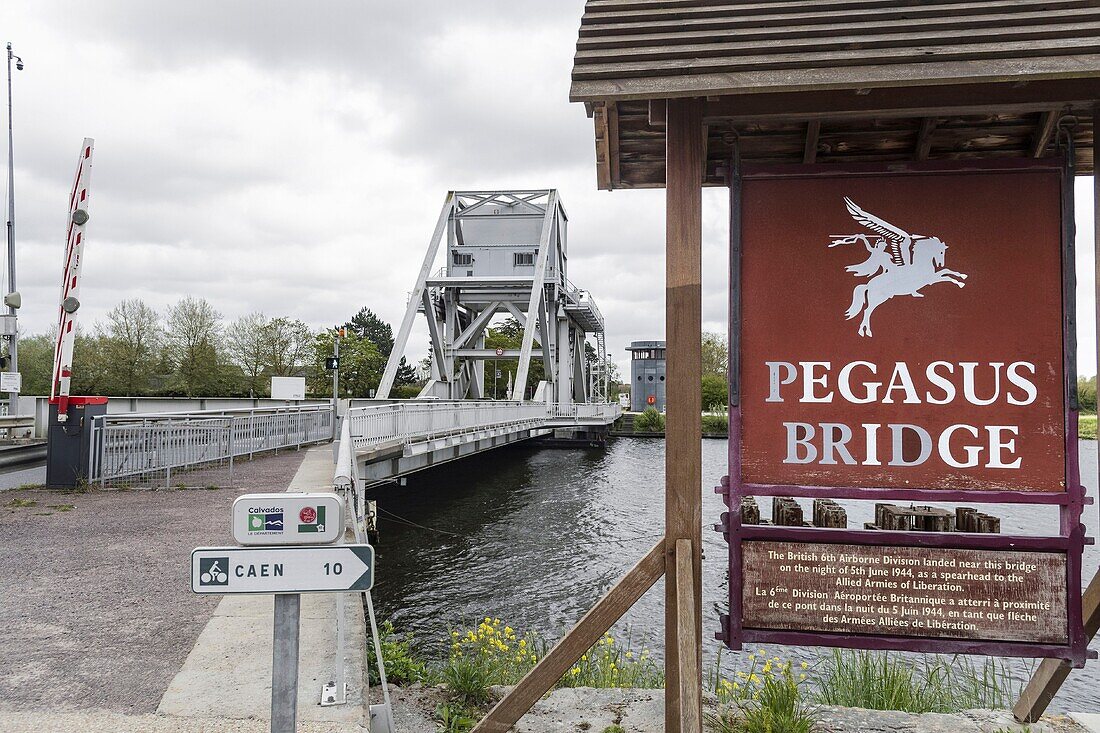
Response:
column 936, row 684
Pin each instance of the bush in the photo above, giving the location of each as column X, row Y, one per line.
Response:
column 766, row 699
column 401, row 666
column 405, row 392
column 649, row 421
column 716, row 392
column 1086, row 394
column 715, row 424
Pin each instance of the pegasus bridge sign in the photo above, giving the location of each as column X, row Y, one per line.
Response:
column 905, row 333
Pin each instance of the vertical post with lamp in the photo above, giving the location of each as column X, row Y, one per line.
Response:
column 10, row 328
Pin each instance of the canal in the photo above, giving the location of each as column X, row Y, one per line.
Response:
column 535, row 537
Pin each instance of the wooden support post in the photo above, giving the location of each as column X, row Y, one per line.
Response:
column 1047, row 680
column 809, row 150
column 1044, row 132
column 691, row 715
column 924, row 138
column 685, row 159
column 579, row 640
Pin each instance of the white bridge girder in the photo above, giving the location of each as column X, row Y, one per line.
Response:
column 505, row 255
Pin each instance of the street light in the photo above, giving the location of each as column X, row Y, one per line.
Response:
column 12, row 299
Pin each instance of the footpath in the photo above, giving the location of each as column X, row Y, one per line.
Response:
column 224, row 683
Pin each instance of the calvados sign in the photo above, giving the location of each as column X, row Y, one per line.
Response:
column 904, row 333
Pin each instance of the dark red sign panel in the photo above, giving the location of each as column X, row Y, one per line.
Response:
column 903, row 331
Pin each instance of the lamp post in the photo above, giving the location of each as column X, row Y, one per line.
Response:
column 11, row 299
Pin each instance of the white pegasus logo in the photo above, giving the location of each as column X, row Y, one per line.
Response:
column 900, row 264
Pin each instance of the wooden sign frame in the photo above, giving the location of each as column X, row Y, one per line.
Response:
column 1070, row 503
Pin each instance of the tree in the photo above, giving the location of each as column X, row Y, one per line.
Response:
column 361, row 365
column 716, row 393
column 130, row 345
column 246, row 344
column 369, row 326
column 715, row 355
column 289, row 345
column 193, row 345
column 36, row 363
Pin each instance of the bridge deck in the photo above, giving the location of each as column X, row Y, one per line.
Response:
column 395, row 439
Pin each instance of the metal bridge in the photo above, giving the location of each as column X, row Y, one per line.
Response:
column 506, row 258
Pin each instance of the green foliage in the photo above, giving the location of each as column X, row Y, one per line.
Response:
column 715, row 424
column 405, row 391
column 454, row 717
column 36, row 363
column 767, row 698
column 509, row 335
column 614, row 663
column 1086, row 393
column 402, row 667
column 1086, row 427
column 649, row 421
column 614, row 728
column 716, row 392
column 361, row 365
column 883, row 681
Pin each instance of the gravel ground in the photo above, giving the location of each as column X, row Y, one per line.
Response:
column 95, row 595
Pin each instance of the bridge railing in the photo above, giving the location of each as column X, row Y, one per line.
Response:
column 608, row 412
column 154, row 445
column 411, row 422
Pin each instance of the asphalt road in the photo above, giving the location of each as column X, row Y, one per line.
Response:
column 95, row 600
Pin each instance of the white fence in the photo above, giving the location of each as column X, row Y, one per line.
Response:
column 158, row 444
column 409, row 422
column 416, row 421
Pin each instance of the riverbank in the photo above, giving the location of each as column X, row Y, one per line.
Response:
column 590, row 710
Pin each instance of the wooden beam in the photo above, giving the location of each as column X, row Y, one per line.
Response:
column 603, row 147
column 685, row 166
column 613, row 141
column 1050, row 675
column 579, row 640
column 926, row 101
column 691, row 715
column 813, row 132
column 924, row 138
column 1044, row 132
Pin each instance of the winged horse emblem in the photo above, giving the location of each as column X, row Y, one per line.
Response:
column 900, row 263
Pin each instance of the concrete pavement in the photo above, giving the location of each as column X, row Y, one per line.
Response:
column 228, row 672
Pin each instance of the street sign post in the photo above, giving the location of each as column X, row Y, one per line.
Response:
column 325, row 569
column 288, row 519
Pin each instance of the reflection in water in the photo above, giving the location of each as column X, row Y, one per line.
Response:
column 535, row 537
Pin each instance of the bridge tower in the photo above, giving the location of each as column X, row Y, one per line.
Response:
column 505, row 255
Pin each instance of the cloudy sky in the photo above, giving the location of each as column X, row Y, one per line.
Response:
column 291, row 157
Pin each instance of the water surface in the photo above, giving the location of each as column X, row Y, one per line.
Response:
column 535, row 537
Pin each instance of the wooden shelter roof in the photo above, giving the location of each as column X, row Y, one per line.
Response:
column 838, row 80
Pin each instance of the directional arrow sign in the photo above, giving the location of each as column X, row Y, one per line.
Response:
column 221, row 570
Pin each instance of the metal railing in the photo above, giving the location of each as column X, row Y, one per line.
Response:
column 608, row 412
column 136, row 444
column 419, row 421
column 411, row 422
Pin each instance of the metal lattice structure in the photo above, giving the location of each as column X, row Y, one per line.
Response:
column 506, row 255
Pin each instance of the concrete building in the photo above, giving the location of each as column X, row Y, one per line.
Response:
column 647, row 375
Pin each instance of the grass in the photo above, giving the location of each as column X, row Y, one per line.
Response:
column 769, row 695
column 22, row 503
column 1086, row 427
column 882, row 681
